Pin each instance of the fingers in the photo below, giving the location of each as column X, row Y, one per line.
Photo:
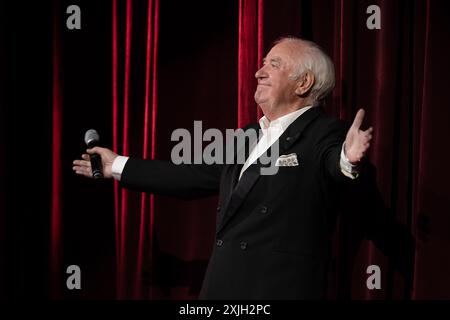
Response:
column 358, row 119
column 364, row 143
column 368, row 134
column 93, row 150
column 99, row 150
column 106, row 154
column 83, row 167
column 359, row 142
column 82, row 163
column 82, row 170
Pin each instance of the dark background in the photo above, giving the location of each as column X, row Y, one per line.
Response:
column 26, row 66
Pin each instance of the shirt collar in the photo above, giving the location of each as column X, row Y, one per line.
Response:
column 284, row 121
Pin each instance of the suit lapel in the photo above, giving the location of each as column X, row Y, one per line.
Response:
column 239, row 189
column 245, row 149
column 242, row 188
column 297, row 128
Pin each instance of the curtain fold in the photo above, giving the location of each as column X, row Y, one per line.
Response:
column 250, row 54
column 141, row 142
column 56, row 226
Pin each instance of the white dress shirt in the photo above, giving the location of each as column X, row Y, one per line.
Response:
column 117, row 166
column 272, row 130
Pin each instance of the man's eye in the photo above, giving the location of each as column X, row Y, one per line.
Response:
column 275, row 65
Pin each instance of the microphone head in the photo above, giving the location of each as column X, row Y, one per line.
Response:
column 91, row 137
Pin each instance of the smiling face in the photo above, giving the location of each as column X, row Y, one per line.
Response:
column 278, row 92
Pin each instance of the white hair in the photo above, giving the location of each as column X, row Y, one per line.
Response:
column 315, row 60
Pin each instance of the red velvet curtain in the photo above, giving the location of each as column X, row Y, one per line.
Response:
column 134, row 215
column 162, row 81
column 56, row 204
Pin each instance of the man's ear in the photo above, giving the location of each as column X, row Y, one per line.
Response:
column 304, row 83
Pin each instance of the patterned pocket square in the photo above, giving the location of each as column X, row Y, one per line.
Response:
column 288, row 160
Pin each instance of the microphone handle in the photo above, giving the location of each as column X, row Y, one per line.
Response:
column 96, row 165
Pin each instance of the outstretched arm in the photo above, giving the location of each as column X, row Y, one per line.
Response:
column 158, row 177
column 188, row 181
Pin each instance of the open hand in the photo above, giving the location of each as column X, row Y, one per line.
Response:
column 357, row 142
column 83, row 167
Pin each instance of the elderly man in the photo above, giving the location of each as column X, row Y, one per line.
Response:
column 273, row 231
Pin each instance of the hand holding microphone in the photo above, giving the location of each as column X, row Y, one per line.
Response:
column 92, row 139
column 97, row 163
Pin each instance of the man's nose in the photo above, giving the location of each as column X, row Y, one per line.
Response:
column 261, row 73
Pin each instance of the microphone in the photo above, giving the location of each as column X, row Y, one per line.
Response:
column 91, row 138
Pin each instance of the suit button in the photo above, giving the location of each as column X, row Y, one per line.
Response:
column 264, row 209
column 219, row 242
column 219, row 208
column 288, row 138
column 243, row 245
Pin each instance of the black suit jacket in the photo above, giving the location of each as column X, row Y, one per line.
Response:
column 273, row 231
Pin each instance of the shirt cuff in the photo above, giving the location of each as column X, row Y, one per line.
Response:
column 348, row 169
column 117, row 166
